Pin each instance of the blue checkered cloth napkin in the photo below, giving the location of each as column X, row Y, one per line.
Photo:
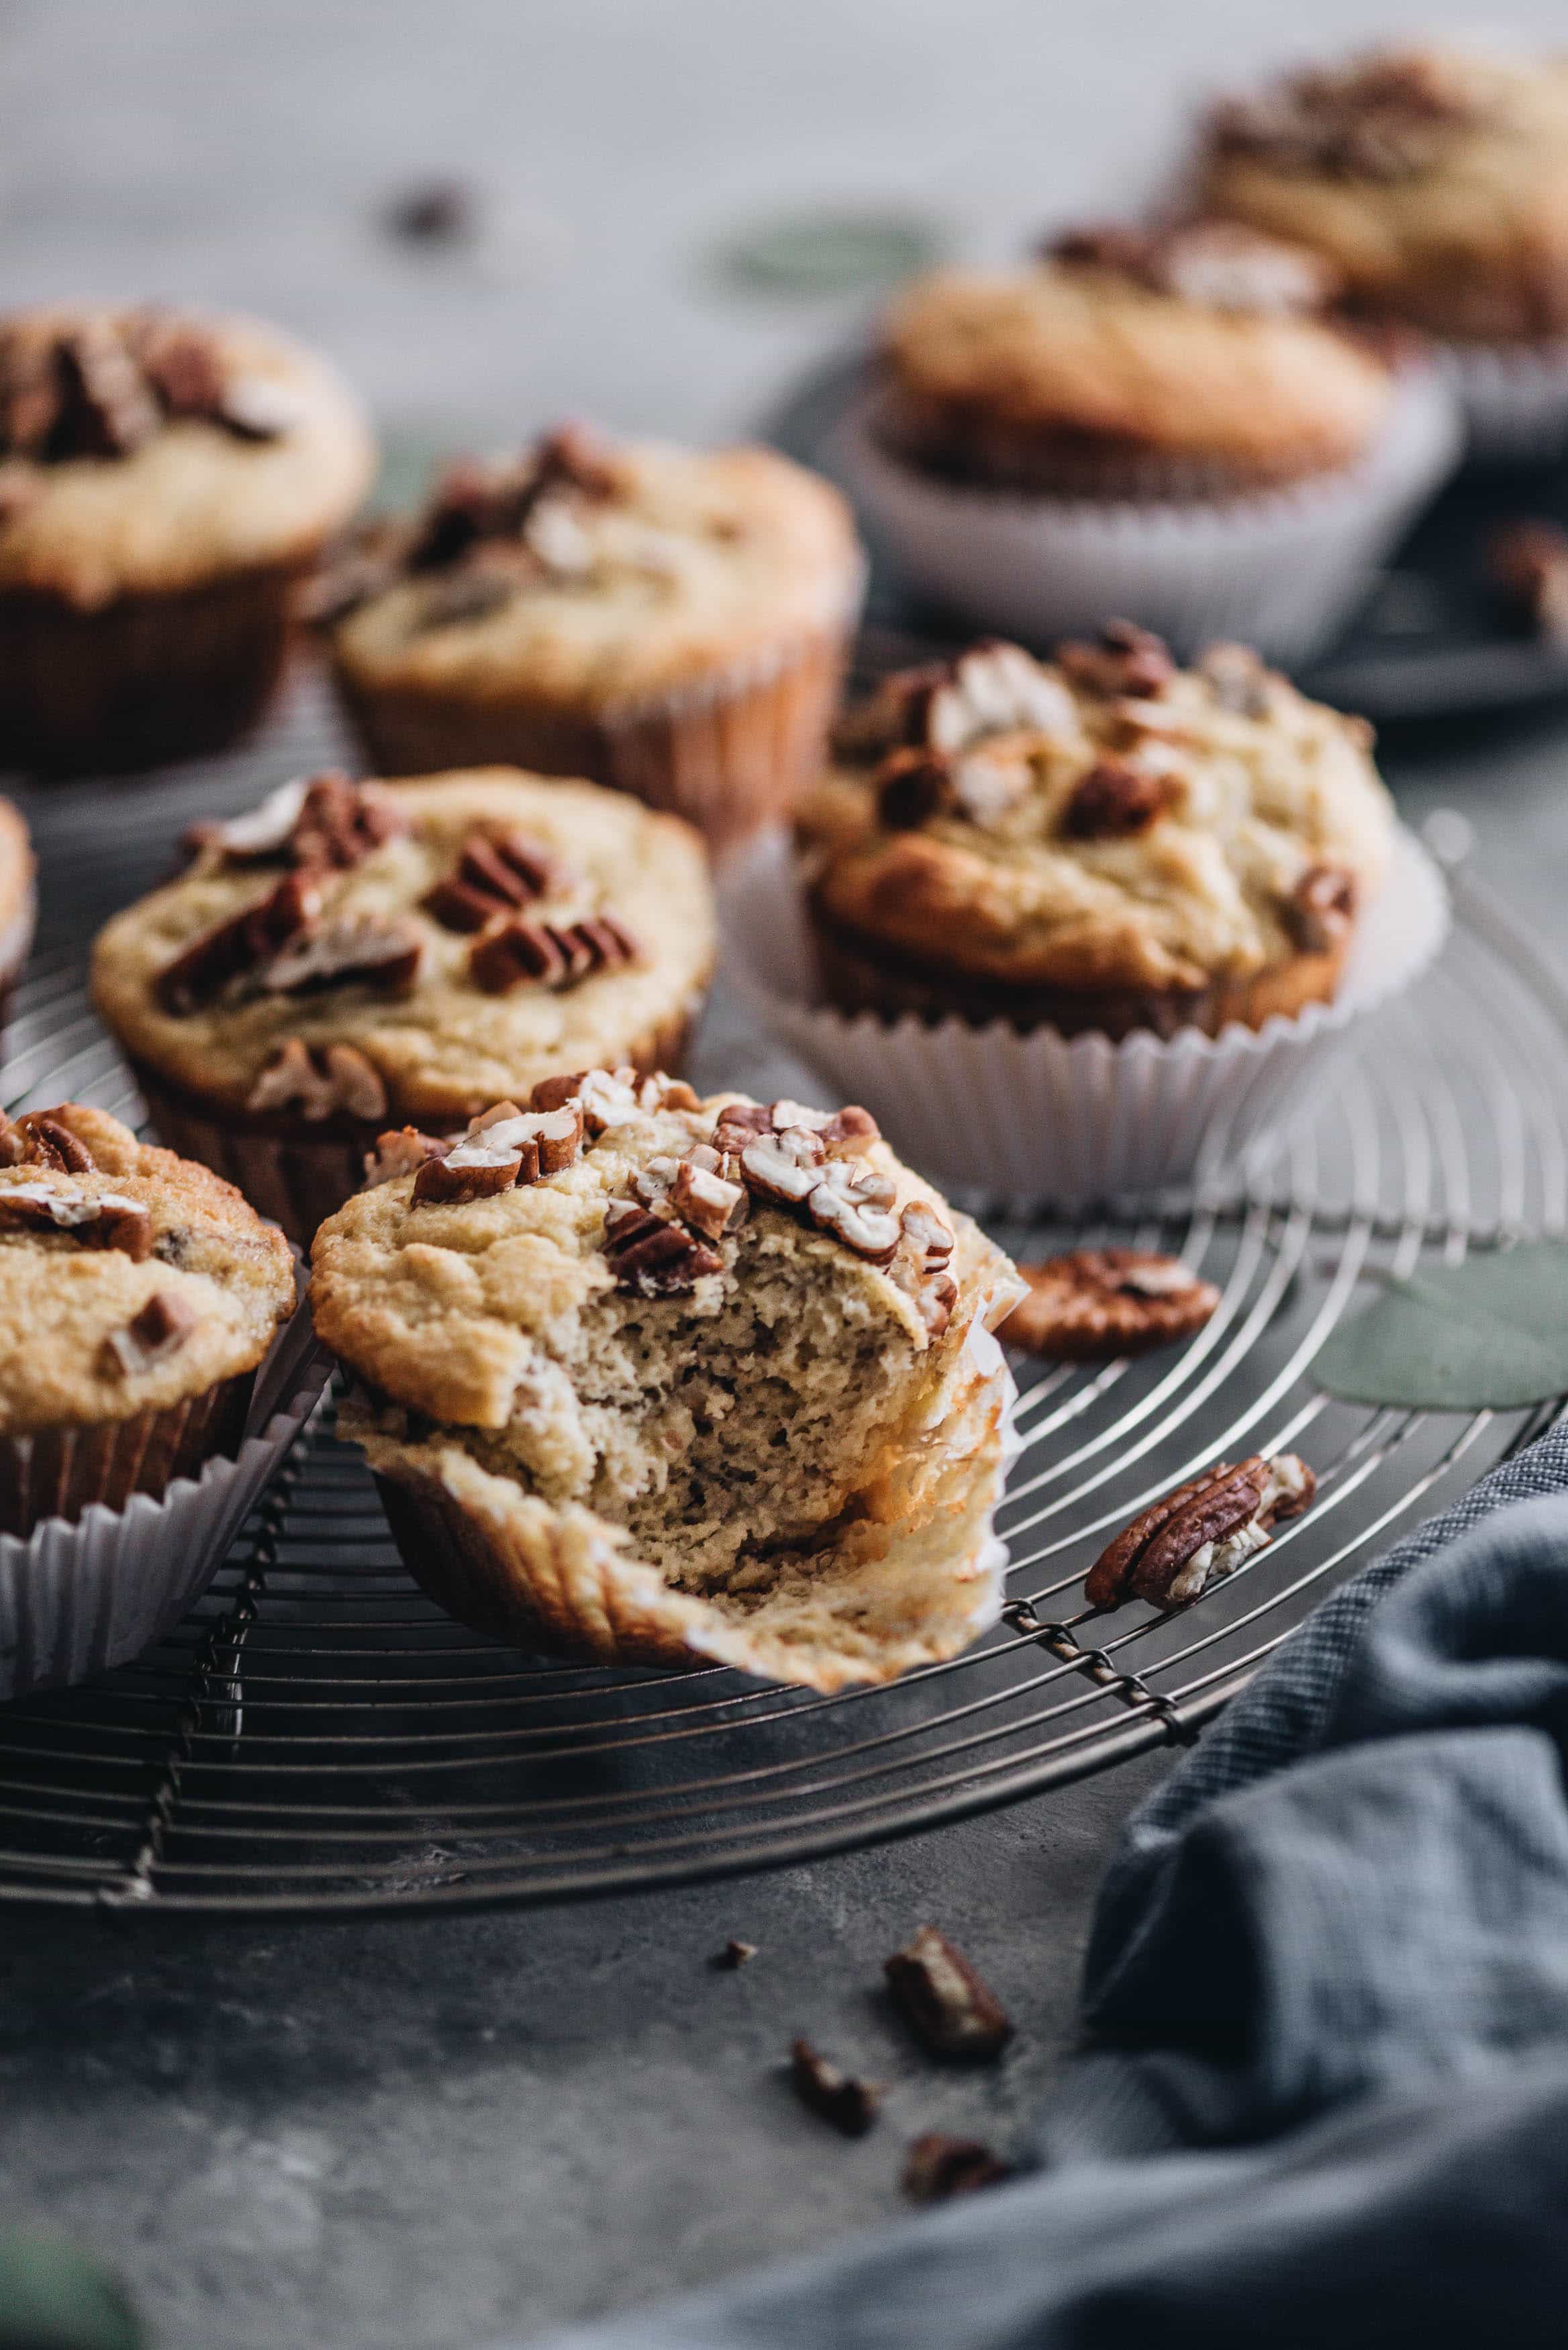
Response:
column 1327, row 1990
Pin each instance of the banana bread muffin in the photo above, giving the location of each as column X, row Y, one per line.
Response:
column 1187, row 363
column 1098, row 842
column 137, row 1294
column 654, row 1379
column 165, row 482
column 670, row 621
column 1434, row 181
column 352, row 956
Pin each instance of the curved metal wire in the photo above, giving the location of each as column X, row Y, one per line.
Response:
column 317, row 1736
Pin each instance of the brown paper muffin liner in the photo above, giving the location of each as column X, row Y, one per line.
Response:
column 147, row 680
column 730, row 754
column 299, row 1173
column 61, row 1471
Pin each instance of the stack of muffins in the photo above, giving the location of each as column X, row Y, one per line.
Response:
column 645, row 1376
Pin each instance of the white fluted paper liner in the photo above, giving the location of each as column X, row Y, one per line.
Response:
column 76, row 1598
column 1513, row 398
column 1043, row 1121
column 1279, row 570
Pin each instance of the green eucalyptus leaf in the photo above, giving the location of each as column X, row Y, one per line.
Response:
column 812, row 254
column 54, row 2296
column 1491, row 1332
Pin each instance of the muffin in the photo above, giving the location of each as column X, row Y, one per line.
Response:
column 1434, row 183
column 166, row 481
column 350, row 957
column 656, row 1380
column 1167, row 423
column 18, row 902
column 140, row 1295
column 670, row 622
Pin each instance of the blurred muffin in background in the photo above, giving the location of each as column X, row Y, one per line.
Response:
column 18, row 902
column 669, row 621
column 166, row 482
column 1434, row 183
column 1164, row 423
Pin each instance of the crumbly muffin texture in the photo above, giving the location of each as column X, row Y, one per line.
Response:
column 412, row 950
column 1435, row 180
column 744, row 1430
column 1100, row 820
column 130, row 1278
column 148, row 452
column 589, row 574
column 1126, row 349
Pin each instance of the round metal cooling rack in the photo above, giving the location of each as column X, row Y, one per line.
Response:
column 316, row 1736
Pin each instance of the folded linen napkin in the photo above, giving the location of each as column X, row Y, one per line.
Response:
column 1327, row 2095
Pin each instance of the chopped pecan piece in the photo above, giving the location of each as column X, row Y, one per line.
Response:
column 159, row 1330
column 937, row 2167
column 110, row 1220
column 1238, row 680
column 472, row 593
column 505, row 1146
column 1090, row 1304
column 178, row 362
column 1126, row 661
column 1529, row 561
column 1321, row 909
column 46, row 1141
column 612, row 1098
column 401, row 1152
column 945, row 2002
column 360, row 951
column 851, row 1200
column 707, row 1202
column 1388, row 116
column 850, row 2105
column 1201, row 1533
column 199, row 974
column 573, row 456
column 654, row 1255
column 493, row 876
column 995, row 688
column 912, row 786
column 105, row 408
column 1231, row 267
column 1114, row 801
column 318, row 1081
column 550, row 955
column 926, row 1240
column 734, row 1955
column 785, row 1168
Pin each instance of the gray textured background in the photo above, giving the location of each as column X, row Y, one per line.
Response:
column 427, row 2133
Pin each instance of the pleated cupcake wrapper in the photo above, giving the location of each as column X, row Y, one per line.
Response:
column 1039, row 1120
column 76, row 1598
column 1513, row 398
column 299, row 1179
column 1278, row 569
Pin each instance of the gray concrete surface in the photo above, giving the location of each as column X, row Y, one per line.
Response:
column 417, row 2134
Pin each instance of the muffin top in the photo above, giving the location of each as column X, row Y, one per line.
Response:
column 1196, row 348
column 17, row 866
column 129, row 1278
column 147, row 450
column 410, row 950
column 1434, row 180
column 1101, row 820
column 588, row 572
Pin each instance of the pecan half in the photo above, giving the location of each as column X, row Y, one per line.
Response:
column 505, row 1146
column 936, row 2167
column 785, row 1168
column 1090, row 1304
column 1320, row 911
column 1128, row 659
column 110, row 1220
column 322, row 822
column 946, row 2003
column 849, row 2104
column 46, row 1141
column 707, row 1202
column 361, row 951
column 492, row 875
column 654, row 1255
column 1200, row 1533
column 547, row 954
column 1114, row 801
column 200, row 973
column 159, row 1330
column 319, row 1080
column 401, row 1152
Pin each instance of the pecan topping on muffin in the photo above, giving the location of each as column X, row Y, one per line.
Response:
column 1200, row 1533
column 200, row 972
column 1389, row 116
column 103, row 385
column 505, row 1146
column 550, row 954
column 1091, row 1304
column 318, row 1080
column 1114, row 799
column 493, row 875
column 41, row 1139
column 1128, row 659
column 1216, row 263
column 1321, row 909
column 105, row 1220
column 318, row 821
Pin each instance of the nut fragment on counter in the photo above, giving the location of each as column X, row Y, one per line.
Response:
column 1201, row 1533
column 1092, row 1304
column 734, row 1955
column 947, row 2003
column 849, row 2104
column 936, row 2167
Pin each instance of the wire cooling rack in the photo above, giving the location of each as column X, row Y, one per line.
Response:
column 317, row 1736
